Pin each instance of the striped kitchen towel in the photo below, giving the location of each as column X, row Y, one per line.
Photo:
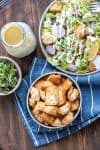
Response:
column 4, row 3
column 90, row 111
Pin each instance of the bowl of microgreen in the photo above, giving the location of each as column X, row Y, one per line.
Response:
column 10, row 75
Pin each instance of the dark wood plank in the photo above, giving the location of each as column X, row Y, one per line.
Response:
column 13, row 135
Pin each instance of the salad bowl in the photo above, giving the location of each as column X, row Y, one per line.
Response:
column 72, row 49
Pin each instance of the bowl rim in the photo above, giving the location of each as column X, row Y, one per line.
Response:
column 42, row 76
column 19, row 73
column 45, row 53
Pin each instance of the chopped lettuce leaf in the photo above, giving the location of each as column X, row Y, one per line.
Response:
column 82, row 68
column 97, row 29
column 62, row 44
column 87, row 17
column 84, row 6
column 48, row 29
column 67, row 6
column 75, row 22
column 82, row 71
column 50, row 15
column 53, row 61
column 64, row 65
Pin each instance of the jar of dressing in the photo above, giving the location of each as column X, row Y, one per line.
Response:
column 18, row 39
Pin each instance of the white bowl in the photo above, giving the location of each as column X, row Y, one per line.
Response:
column 45, row 52
column 19, row 74
column 28, row 107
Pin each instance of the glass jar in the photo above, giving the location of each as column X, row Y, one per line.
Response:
column 18, row 39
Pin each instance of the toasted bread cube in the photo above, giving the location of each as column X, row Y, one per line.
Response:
column 39, row 84
column 35, row 94
column 68, row 118
column 32, row 102
column 57, row 123
column 80, row 31
column 56, row 79
column 43, row 95
column 56, row 7
column 52, row 96
column 51, row 110
column 37, row 115
column 48, row 38
column 92, row 66
column 67, row 84
column 47, row 118
column 62, row 95
column 62, row 80
column 73, row 94
column 63, row 110
column 43, row 84
column 46, row 84
column 40, row 106
column 75, row 105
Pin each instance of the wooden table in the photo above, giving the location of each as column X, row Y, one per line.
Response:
column 13, row 135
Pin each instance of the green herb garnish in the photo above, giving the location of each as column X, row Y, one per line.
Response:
column 82, row 68
column 8, row 76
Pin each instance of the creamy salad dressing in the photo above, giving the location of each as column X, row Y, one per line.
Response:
column 77, row 62
column 54, row 31
column 14, row 32
column 18, row 39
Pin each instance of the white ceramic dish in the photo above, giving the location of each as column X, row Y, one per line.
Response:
column 47, row 55
column 18, row 71
column 42, row 76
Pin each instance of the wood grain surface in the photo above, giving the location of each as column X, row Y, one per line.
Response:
column 13, row 135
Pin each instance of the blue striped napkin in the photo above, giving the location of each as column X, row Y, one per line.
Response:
column 90, row 111
column 4, row 3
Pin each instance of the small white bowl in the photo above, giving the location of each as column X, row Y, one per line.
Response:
column 18, row 71
column 42, row 76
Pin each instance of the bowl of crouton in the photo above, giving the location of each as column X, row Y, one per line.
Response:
column 54, row 100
